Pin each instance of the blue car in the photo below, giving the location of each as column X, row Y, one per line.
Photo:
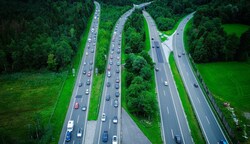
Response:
column 68, row 136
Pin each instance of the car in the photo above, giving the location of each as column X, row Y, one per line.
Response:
column 84, row 72
column 84, row 63
column 88, row 46
column 117, row 80
column 107, row 97
column 109, row 74
column 90, row 68
column 103, row 117
column 112, row 52
column 117, row 86
column 109, row 67
column 88, row 82
column 222, row 142
column 105, row 136
column 84, row 108
column 90, row 62
column 79, row 132
column 80, row 84
column 177, row 139
column 108, row 84
column 118, row 51
column 165, row 83
column 118, row 58
column 117, row 70
column 111, row 62
column 89, row 74
column 177, row 33
column 87, row 53
column 153, row 47
column 183, row 53
column 111, row 57
column 76, row 105
column 114, row 140
column 117, row 94
column 115, row 120
column 152, row 38
column 195, row 85
column 156, row 69
column 118, row 63
column 115, row 103
column 179, row 55
column 87, row 91
column 68, row 136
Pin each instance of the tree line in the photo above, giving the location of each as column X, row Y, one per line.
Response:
column 37, row 34
column 167, row 12
column 207, row 40
column 123, row 2
column 139, row 69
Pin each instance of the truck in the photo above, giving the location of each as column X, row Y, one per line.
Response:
column 70, row 125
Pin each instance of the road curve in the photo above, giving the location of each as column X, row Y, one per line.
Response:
column 208, row 123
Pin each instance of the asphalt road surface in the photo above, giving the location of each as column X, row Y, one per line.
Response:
column 209, row 125
column 108, row 106
column 173, row 118
column 79, row 94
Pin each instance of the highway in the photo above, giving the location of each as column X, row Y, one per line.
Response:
column 112, row 75
column 208, row 123
column 173, row 118
column 82, row 91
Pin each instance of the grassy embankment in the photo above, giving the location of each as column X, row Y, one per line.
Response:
column 152, row 129
column 109, row 15
column 192, row 121
column 229, row 81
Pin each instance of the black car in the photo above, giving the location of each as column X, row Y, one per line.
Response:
column 105, row 136
column 195, row 85
column 117, row 86
column 108, row 84
column 107, row 97
column 84, row 72
column 117, row 70
column 177, row 139
column 117, row 94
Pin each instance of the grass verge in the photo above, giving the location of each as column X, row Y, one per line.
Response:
column 192, row 121
column 66, row 93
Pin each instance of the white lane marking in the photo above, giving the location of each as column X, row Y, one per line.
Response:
column 167, row 110
column 78, row 119
column 73, row 141
column 172, row 133
column 198, row 100
column 109, row 124
column 207, row 120
column 164, row 93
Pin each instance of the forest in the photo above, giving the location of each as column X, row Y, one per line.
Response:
column 41, row 34
column 207, row 40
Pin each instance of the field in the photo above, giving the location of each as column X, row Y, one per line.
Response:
column 237, row 29
column 24, row 97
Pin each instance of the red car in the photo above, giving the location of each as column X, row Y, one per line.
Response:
column 76, row 105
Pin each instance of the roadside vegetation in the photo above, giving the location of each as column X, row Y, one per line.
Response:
column 187, row 106
column 138, row 84
column 39, row 99
column 109, row 15
column 227, row 81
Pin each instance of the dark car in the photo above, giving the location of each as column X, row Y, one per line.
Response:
column 117, row 70
column 84, row 72
column 117, row 86
column 195, row 85
column 108, row 84
column 115, row 103
column 156, row 69
column 177, row 139
column 117, row 94
column 105, row 136
column 107, row 97
column 68, row 136
column 90, row 62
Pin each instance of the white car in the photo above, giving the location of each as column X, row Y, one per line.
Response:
column 87, row 91
column 114, row 140
column 79, row 132
column 87, row 53
column 165, row 83
column 103, row 117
